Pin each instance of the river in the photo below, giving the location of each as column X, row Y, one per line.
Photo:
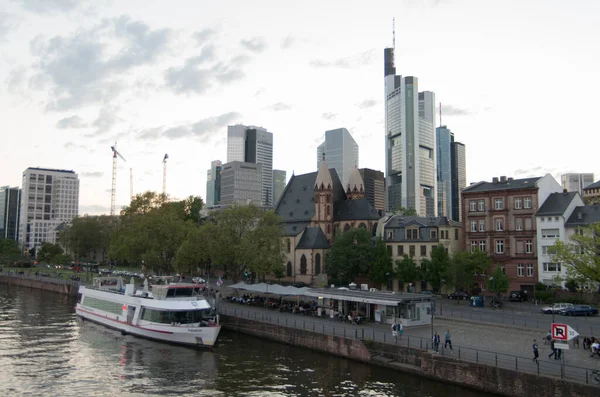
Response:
column 46, row 350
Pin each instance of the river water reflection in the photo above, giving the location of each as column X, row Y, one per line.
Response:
column 46, row 350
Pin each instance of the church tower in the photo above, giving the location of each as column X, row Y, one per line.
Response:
column 324, row 200
column 355, row 189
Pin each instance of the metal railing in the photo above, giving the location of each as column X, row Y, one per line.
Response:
column 366, row 333
column 45, row 279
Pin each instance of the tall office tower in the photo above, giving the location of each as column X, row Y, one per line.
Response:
column 459, row 177
column 49, row 198
column 576, row 182
column 444, row 137
column 213, row 184
column 253, row 145
column 241, row 183
column 374, row 183
column 279, row 180
column 10, row 202
column 410, row 142
column 341, row 153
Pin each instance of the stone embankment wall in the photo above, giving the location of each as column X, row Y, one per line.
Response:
column 37, row 283
column 496, row 381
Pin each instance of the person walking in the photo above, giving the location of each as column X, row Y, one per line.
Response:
column 395, row 330
column 400, row 330
column 448, row 339
column 436, row 342
column 553, row 348
column 536, row 353
column 548, row 338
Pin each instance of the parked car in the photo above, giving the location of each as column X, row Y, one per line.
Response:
column 580, row 310
column 518, row 296
column 556, row 308
column 458, row 295
column 427, row 292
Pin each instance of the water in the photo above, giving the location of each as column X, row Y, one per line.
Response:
column 45, row 350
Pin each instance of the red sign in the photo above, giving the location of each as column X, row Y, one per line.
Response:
column 560, row 331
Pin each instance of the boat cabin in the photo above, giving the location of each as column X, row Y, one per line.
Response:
column 185, row 292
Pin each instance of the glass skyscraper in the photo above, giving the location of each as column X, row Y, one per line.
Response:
column 444, row 137
column 213, row 184
column 10, row 202
column 341, row 153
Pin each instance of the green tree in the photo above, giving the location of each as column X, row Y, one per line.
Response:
column 382, row 267
column 407, row 270
column 88, row 235
column 9, row 251
column 61, row 259
column 499, row 282
column 195, row 251
column 436, row 267
column 465, row 266
column 581, row 254
column 350, row 255
column 405, row 211
column 48, row 251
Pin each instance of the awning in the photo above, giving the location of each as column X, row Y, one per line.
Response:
column 378, row 298
column 275, row 289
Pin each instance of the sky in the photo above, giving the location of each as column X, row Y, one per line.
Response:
column 516, row 79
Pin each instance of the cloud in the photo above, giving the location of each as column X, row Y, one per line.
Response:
column 255, row 44
column 279, row 106
column 94, row 209
column 48, row 6
column 353, row 61
column 14, row 81
column 201, row 130
column 368, row 103
column 329, row 115
column 96, row 174
column 71, row 122
column 449, row 110
column 203, row 35
column 107, row 118
column 8, row 23
column 287, row 42
column 534, row 171
column 73, row 146
column 87, row 66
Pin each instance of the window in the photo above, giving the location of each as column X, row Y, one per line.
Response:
column 423, row 250
column 527, row 202
column 529, row 247
column 473, row 225
column 499, row 203
column 481, row 205
column 473, row 246
column 552, row 267
column 433, row 235
column 518, row 203
column 499, row 225
column 556, row 218
column 456, row 234
column 318, row 264
column 482, row 225
column 499, row 246
column 412, row 234
column 518, row 224
column 482, row 245
column 550, row 233
column 303, row 264
column 289, row 246
column 411, row 250
column 548, row 250
column 528, row 224
column 472, row 205
column 502, row 268
column 389, row 235
column 400, row 250
column 520, row 247
column 529, row 270
column 520, row 270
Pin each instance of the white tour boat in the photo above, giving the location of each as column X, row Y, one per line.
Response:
column 175, row 313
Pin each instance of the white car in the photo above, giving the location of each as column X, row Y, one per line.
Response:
column 556, row 308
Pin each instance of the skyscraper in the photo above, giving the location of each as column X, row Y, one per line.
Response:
column 576, row 182
column 374, row 183
column 10, row 202
column 444, row 138
column 213, row 184
column 279, row 180
column 253, row 145
column 341, row 153
column 409, row 143
column 459, row 177
column 49, row 197
column 241, row 183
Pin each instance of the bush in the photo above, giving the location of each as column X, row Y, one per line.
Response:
column 368, row 343
column 541, row 287
column 544, row 296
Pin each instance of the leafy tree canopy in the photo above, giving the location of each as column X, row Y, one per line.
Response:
column 350, row 255
column 48, row 251
column 404, row 211
column 436, row 267
column 382, row 268
column 581, row 254
column 464, row 266
column 499, row 282
column 88, row 234
column 407, row 270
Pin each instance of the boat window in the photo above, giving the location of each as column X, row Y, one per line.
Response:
column 182, row 292
column 182, row 317
column 100, row 304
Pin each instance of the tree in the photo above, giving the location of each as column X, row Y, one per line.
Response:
column 436, row 268
column 48, row 252
column 464, row 266
column 407, row 270
column 499, row 282
column 382, row 267
column 143, row 203
column 9, row 251
column 89, row 234
column 350, row 255
column 405, row 211
column 581, row 254
column 195, row 251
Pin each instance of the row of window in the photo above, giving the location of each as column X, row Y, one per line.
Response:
column 169, row 317
column 413, row 234
column 499, row 224
column 521, row 270
column 304, row 266
column 522, row 246
column 519, row 203
column 412, row 250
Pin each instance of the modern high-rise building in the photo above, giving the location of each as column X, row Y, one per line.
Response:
column 374, row 182
column 10, row 203
column 341, row 153
column 410, row 146
column 459, row 177
column 279, row 181
column 49, row 197
column 576, row 182
column 253, row 145
column 213, row 184
column 444, row 138
column 241, row 183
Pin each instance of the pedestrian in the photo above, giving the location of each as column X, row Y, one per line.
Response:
column 536, row 353
column 548, row 338
column 400, row 329
column 436, row 342
column 553, row 348
column 395, row 330
column 448, row 339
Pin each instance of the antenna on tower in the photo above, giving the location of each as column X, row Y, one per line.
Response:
column 165, row 174
column 440, row 114
column 394, row 33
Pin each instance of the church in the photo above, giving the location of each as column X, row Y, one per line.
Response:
column 314, row 208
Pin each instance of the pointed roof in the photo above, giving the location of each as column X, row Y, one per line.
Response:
column 556, row 203
column 356, row 181
column 324, row 176
column 313, row 238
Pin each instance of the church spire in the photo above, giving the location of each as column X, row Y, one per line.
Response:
column 324, row 179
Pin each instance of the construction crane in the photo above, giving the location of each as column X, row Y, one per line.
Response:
column 165, row 174
column 114, row 177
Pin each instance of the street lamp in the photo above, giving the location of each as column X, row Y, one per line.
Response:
column 432, row 305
